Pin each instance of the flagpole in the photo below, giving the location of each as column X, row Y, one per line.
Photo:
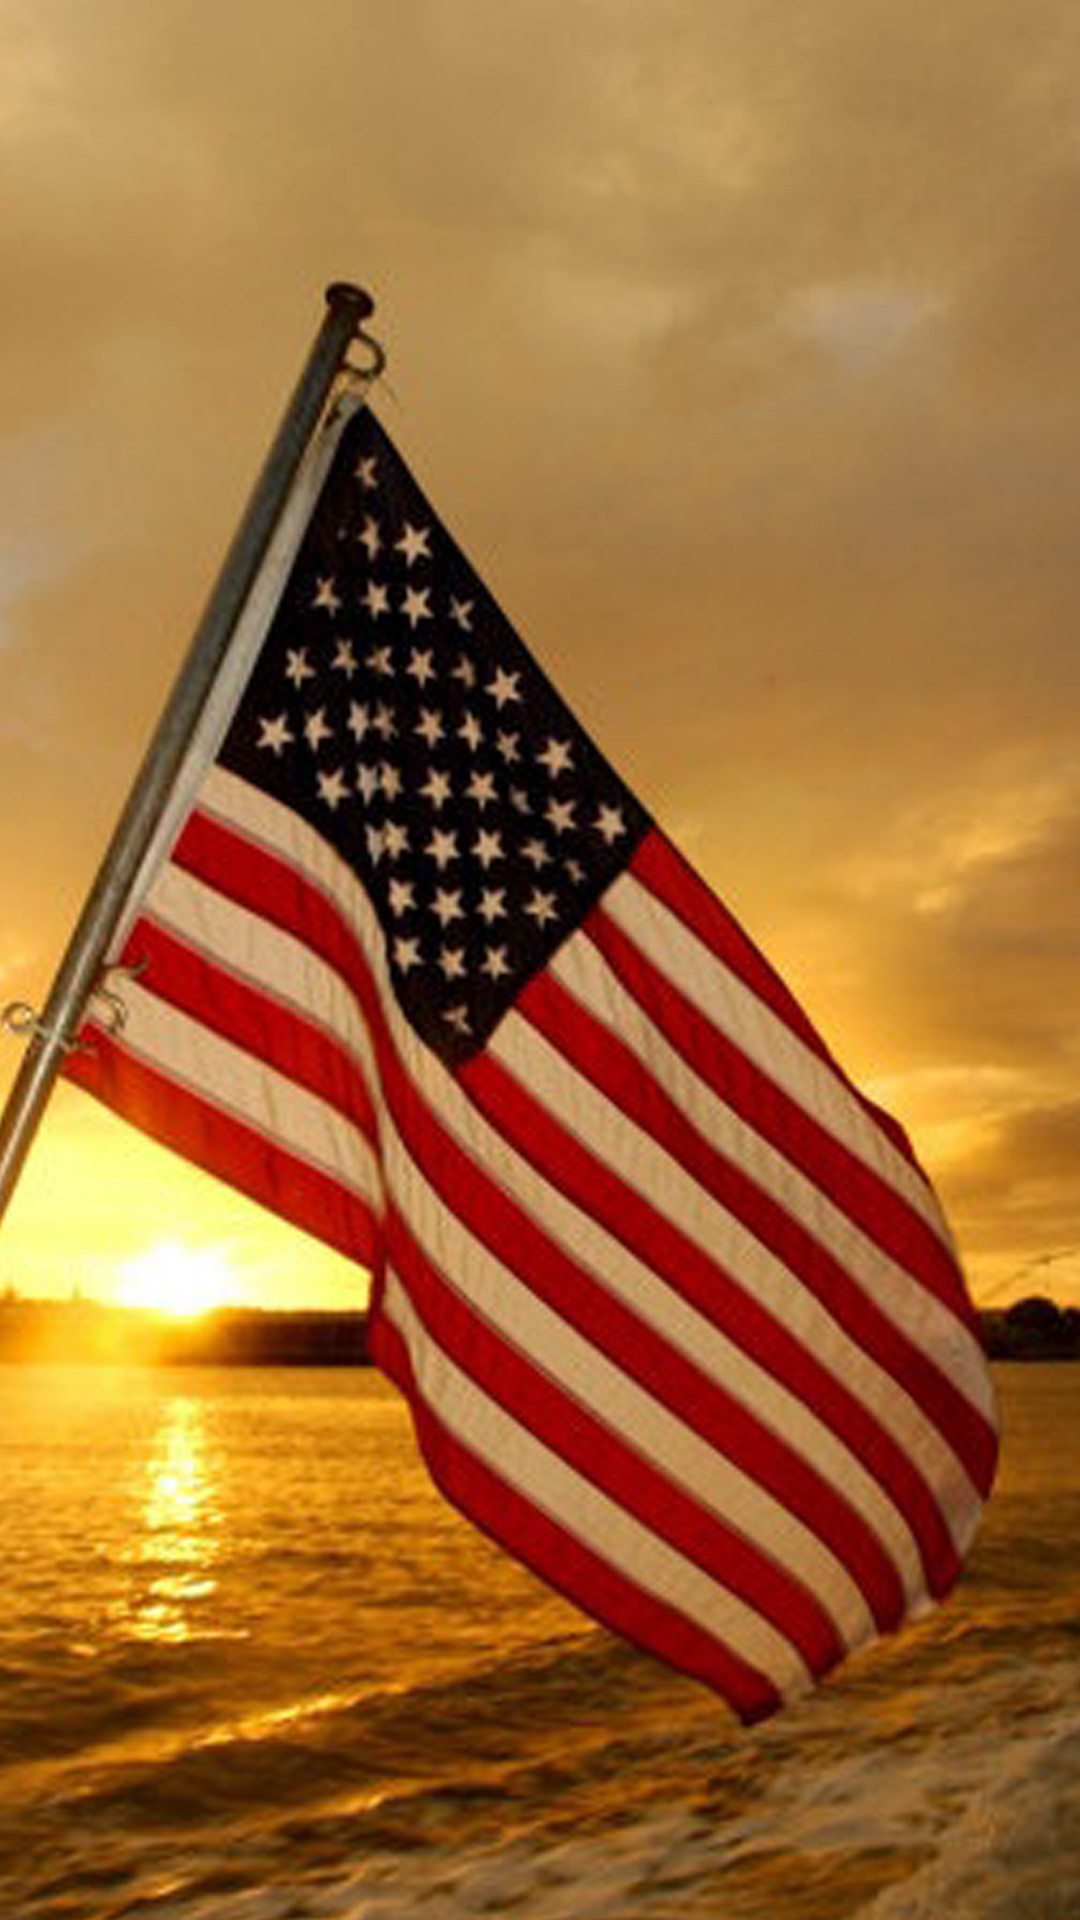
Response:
column 52, row 1032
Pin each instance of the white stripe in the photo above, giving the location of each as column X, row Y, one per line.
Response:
column 292, row 973
column 765, row 1039
column 913, row 1309
column 542, row 1478
column 231, row 1080
column 647, row 1168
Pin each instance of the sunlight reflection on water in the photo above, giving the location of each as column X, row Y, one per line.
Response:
column 180, row 1526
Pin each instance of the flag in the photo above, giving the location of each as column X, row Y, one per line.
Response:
column 675, row 1310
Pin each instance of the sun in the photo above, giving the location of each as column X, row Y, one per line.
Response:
column 171, row 1278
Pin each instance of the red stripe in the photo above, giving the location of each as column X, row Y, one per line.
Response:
column 215, row 1140
column 594, row 1450
column 283, row 898
column 613, row 1067
column 667, row 874
column 240, row 868
column 853, row 1187
column 561, row 1558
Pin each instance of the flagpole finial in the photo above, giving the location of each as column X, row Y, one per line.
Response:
column 342, row 293
column 351, row 306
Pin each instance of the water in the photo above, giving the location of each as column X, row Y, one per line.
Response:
column 253, row 1668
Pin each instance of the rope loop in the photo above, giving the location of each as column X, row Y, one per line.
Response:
column 357, row 379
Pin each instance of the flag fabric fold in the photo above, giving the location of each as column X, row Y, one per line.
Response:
column 675, row 1309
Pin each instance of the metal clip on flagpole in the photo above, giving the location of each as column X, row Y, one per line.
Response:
column 52, row 1032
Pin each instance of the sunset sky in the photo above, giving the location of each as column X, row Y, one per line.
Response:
column 737, row 343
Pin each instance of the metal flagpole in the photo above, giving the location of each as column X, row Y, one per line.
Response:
column 51, row 1033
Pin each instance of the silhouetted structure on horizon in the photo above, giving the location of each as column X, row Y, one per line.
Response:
column 1032, row 1329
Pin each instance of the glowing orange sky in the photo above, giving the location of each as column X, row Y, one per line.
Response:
column 737, row 346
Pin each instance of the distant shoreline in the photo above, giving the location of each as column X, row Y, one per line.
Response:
column 1031, row 1329
column 89, row 1333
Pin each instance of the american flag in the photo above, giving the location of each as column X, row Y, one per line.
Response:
column 675, row 1310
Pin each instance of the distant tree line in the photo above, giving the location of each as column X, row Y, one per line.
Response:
column 78, row 1332
column 1032, row 1329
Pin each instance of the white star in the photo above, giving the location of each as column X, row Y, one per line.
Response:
column 452, row 962
column 556, row 757
column 520, row 800
column 446, row 905
column 401, row 896
column 461, row 614
column 384, row 723
column 380, row 662
column 376, row 599
column 333, row 788
column 345, row 658
column 370, row 537
column 429, row 726
column 481, row 788
column 375, row 844
column 609, row 823
column 415, row 605
column 359, row 721
column 560, row 815
column 395, row 839
column 275, row 734
column 406, row 953
column 420, row 666
column 536, row 852
column 297, row 666
column 471, row 731
column 365, row 473
column 492, row 904
column 458, row 1018
column 574, row 871
column 507, row 744
column 494, row 962
column 436, row 788
column 504, row 687
column 367, row 780
column 389, row 779
column 541, row 906
column 488, row 847
column 464, row 671
column 325, row 595
column 413, row 544
column 316, row 729
column 442, row 847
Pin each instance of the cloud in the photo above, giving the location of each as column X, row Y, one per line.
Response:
column 1038, row 1144
column 947, row 953
column 995, row 946
column 1017, row 1196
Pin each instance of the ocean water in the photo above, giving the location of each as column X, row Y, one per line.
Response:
column 253, row 1668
